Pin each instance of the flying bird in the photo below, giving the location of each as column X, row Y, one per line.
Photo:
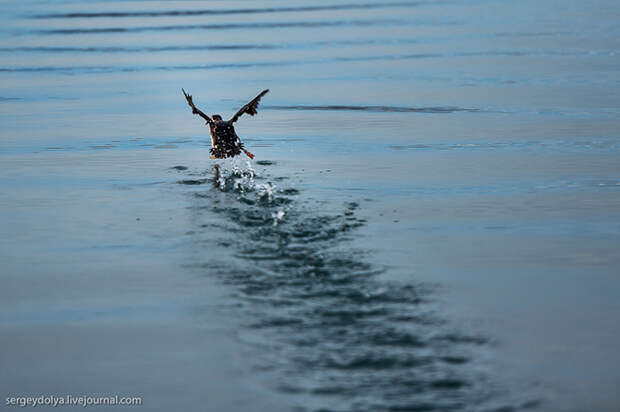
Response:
column 224, row 140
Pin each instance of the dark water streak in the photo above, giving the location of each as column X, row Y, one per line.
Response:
column 198, row 47
column 328, row 326
column 171, row 13
column 117, row 68
column 257, row 25
column 379, row 109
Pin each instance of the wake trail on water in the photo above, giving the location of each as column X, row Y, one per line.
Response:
column 329, row 328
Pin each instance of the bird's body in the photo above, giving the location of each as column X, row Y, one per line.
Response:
column 224, row 140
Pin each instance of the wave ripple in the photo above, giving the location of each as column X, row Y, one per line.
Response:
column 173, row 13
column 395, row 109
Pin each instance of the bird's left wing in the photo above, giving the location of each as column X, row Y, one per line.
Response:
column 249, row 108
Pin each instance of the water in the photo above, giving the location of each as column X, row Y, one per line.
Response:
column 430, row 222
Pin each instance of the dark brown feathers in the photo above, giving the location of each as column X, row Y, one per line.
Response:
column 249, row 108
column 224, row 140
column 195, row 110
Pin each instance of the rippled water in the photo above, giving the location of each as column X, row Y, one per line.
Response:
column 430, row 223
column 328, row 327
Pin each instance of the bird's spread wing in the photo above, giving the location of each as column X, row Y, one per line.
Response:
column 195, row 110
column 249, row 108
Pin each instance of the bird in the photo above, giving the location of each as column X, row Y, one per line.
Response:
column 224, row 140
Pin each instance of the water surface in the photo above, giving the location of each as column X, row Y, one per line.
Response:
column 431, row 221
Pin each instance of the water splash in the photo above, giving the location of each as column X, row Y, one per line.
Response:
column 277, row 216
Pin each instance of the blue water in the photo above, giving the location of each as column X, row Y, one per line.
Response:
column 431, row 221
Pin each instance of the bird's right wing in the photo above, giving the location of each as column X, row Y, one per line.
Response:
column 195, row 110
